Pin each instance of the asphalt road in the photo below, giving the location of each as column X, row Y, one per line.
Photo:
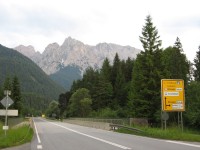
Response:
column 63, row 136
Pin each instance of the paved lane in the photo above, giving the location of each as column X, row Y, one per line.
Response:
column 63, row 136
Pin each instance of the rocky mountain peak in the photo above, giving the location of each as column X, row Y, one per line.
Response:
column 70, row 43
column 50, row 48
column 28, row 51
column 74, row 52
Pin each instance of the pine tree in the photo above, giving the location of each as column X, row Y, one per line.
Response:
column 175, row 63
column 16, row 95
column 120, row 89
column 144, row 94
column 150, row 39
column 128, row 69
column 106, row 70
column 197, row 66
column 115, row 68
column 178, row 45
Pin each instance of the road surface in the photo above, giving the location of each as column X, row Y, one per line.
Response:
column 62, row 136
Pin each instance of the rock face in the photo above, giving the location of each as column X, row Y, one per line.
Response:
column 75, row 53
column 29, row 52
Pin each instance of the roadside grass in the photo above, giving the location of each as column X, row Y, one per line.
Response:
column 172, row 133
column 15, row 136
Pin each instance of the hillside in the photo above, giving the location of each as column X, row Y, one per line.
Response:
column 65, row 76
column 34, row 82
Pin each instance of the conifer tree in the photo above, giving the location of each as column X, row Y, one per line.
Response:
column 119, row 89
column 178, row 45
column 144, row 94
column 16, row 94
column 176, row 65
column 115, row 68
column 106, row 70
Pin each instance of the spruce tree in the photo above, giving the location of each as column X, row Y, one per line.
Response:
column 120, row 89
column 115, row 68
column 178, row 45
column 150, row 39
column 16, row 94
column 106, row 70
column 144, row 94
column 175, row 63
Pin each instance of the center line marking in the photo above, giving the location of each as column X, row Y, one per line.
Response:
column 98, row 139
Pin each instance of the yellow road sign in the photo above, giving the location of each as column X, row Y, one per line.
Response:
column 172, row 95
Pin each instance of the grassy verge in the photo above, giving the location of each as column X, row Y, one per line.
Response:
column 170, row 133
column 15, row 136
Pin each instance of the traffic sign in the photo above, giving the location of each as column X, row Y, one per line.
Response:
column 7, row 101
column 172, row 95
column 5, row 127
column 165, row 116
column 9, row 112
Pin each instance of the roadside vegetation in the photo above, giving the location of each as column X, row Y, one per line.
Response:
column 171, row 133
column 132, row 88
column 15, row 135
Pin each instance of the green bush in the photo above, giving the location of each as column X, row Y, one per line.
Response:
column 106, row 113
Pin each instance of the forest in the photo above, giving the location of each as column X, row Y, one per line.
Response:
column 132, row 87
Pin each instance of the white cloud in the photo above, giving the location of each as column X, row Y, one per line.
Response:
column 41, row 22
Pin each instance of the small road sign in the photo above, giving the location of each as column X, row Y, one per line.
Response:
column 165, row 116
column 5, row 127
column 7, row 101
column 173, row 96
column 9, row 112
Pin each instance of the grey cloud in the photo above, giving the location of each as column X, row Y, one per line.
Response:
column 39, row 20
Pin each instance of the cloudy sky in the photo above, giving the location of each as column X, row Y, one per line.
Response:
column 41, row 22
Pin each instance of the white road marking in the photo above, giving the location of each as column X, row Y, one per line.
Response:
column 102, row 140
column 39, row 146
column 36, row 132
column 181, row 143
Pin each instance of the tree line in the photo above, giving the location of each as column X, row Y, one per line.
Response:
column 12, row 85
column 132, row 87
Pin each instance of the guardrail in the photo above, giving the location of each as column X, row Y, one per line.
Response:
column 116, row 126
column 123, row 121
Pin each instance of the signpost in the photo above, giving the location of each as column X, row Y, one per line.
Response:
column 173, row 96
column 7, row 102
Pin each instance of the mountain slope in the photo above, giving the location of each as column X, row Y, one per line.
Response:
column 65, row 76
column 32, row 79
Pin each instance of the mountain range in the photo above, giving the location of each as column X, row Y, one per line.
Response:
column 67, row 62
column 37, row 88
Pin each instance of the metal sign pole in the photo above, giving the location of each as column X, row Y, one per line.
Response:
column 6, row 117
column 182, row 121
column 7, row 105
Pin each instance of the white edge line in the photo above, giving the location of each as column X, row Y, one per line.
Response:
column 102, row 140
column 181, row 143
column 36, row 132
